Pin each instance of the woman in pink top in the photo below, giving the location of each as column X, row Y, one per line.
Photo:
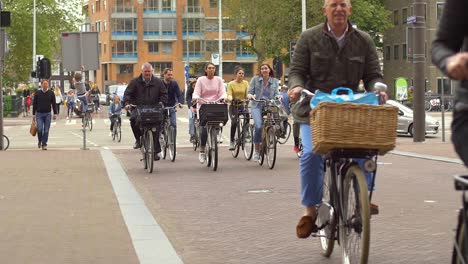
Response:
column 210, row 88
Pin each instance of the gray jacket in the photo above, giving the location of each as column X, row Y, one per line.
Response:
column 319, row 63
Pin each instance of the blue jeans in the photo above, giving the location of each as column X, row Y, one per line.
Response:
column 173, row 119
column 84, row 102
column 191, row 122
column 257, row 118
column 311, row 171
column 43, row 125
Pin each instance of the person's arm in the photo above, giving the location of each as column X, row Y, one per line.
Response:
column 163, row 94
column 188, row 96
column 453, row 27
column 251, row 90
column 53, row 102
column 300, row 65
column 129, row 93
column 179, row 95
column 229, row 91
column 221, row 91
column 35, row 103
column 198, row 89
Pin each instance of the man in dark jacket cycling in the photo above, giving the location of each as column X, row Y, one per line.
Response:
column 146, row 89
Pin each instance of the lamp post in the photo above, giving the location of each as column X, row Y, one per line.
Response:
column 220, row 38
column 303, row 15
column 34, row 38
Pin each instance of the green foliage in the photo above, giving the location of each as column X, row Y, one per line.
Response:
column 52, row 18
column 7, row 105
column 273, row 24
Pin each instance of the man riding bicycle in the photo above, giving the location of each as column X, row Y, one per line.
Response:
column 174, row 94
column 330, row 55
column 148, row 90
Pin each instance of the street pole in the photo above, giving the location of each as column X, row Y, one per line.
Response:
column 304, row 15
column 220, row 38
column 2, row 60
column 34, row 41
column 419, row 62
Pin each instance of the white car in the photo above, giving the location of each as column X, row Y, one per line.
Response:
column 405, row 120
column 103, row 99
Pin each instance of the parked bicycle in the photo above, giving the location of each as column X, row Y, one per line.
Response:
column 149, row 119
column 243, row 138
column 168, row 136
column 117, row 128
column 460, row 245
column 270, row 130
column 213, row 115
column 6, row 142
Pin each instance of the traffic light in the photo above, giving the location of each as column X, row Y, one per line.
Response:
column 43, row 70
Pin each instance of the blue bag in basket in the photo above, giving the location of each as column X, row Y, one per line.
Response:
column 360, row 98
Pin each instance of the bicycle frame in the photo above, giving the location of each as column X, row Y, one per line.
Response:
column 460, row 246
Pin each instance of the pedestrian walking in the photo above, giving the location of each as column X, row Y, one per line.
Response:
column 43, row 104
column 58, row 98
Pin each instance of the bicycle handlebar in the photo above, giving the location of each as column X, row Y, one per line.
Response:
column 196, row 100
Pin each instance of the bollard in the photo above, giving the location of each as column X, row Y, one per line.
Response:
column 84, row 139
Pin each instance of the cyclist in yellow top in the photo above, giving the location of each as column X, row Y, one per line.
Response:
column 236, row 90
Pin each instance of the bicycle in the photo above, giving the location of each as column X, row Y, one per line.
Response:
column 197, row 135
column 213, row 115
column 149, row 119
column 244, row 131
column 87, row 119
column 270, row 130
column 116, row 129
column 6, row 142
column 168, row 137
column 460, row 246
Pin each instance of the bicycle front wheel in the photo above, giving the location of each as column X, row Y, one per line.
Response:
column 119, row 132
column 460, row 248
column 355, row 222
column 326, row 213
column 90, row 120
column 163, row 142
column 214, row 148
column 287, row 133
column 247, row 141
column 271, row 147
column 237, row 140
column 149, row 150
column 6, row 142
column 143, row 151
column 172, row 143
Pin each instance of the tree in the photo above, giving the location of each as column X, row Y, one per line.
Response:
column 52, row 18
column 273, row 24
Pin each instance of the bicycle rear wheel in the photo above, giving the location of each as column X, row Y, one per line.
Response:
column 214, row 148
column 119, row 132
column 237, row 140
column 172, row 143
column 143, row 151
column 287, row 134
column 247, row 141
column 6, row 142
column 460, row 248
column 196, row 140
column 271, row 147
column 355, row 223
column 326, row 214
column 149, row 150
column 90, row 120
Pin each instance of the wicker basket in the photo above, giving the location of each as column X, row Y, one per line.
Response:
column 356, row 126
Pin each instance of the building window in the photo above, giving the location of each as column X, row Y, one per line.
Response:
column 124, row 26
column 125, row 49
column 446, row 83
column 159, row 66
column 396, row 17
column 168, row 26
column 191, row 26
column 212, row 46
column 213, row 3
column 243, row 48
column 193, row 6
column 105, row 49
column 104, row 70
column 124, row 6
column 151, row 6
column 98, row 26
column 439, row 10
column 195, row 47
column 387, row 53
column 167, row 47
column 124, row 68
column 168, row 6
column 98, row 5
column 395, row 52
column 404, row 15
column 404, row 51
column 151, row 26
column 153, row 47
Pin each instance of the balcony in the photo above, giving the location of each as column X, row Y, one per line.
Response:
column 125, row 58
column 246, row 57
column 159, row 36
column 154, row 13
column 193, row 12
column 124, row 35
column 124, row 12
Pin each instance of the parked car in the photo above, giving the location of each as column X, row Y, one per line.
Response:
column 405, row 120
column 103, row 99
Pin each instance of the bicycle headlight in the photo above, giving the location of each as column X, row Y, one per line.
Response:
column 370, row 165
column 221, row 124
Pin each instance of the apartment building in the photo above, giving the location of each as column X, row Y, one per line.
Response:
column 165, row 33
column 398, row 41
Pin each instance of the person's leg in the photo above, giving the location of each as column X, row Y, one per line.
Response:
column 136, row 133
column 257, row 117
column 45, row 134
column 40, row 121
column 204, row 137
column 459, row 132
column 112, row 119
column 296, row 130
column 157, row 145
column 234, row 120
column 173, row 119
column 191, row 123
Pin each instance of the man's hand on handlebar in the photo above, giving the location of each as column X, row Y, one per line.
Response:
column 295, row 93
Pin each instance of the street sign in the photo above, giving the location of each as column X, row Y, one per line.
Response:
column 411, row 20
column 80, row 49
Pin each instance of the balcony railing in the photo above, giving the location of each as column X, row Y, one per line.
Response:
column 193, row 9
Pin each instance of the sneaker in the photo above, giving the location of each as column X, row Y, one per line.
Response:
column 296, row 149
column 232, row 146
column 39, row 145
column 110, row 134
column 192, row 139
column 137, row 145
column 202, row 157
column 157, row 157
column 44, row 147
column 256, row 156
column 374, row 209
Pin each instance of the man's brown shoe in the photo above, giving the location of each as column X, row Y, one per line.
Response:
column 306, row 226
column 374, row 209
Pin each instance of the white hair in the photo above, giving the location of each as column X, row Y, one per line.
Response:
column 325, row 2
column 146, row 65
